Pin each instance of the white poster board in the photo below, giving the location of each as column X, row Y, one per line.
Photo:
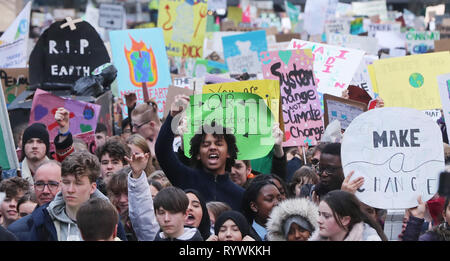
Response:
column 334, row 66
column 400, row 154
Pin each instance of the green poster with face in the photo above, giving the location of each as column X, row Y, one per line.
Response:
column 245, row 115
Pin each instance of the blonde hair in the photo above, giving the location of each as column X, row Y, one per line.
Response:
column 147, row 111
column 140, row 142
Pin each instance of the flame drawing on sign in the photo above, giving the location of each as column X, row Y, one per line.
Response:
column 142, row 64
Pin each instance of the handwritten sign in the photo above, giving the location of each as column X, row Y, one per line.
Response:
column 421, row 42
column 140, row 58
column 400, row 154
column 444, row 91
column 334, row 66
column 14, row 82
column 184, row 26
column 203, row 66
column 63, row 56
column 343, row 110
column 242, row 51
column 300, row 102
column 364, row 43
column 410, row 81
column 385, row 27
column 245, row 114
column 83, row 115
column 268, row 90
column 371, row 8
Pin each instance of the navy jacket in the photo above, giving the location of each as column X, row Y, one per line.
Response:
column 22, row 228
column 212, row 187
column 43, row 229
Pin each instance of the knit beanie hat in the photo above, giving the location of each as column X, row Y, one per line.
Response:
column 237, row 218
column 36, row 130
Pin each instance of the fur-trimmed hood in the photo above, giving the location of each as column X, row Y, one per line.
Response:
column 286, row 209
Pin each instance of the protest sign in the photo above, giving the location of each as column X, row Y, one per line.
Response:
column 269, row 90
column 8, row 160
column 398, row 151
column 433, row 114
column 442, row 45
column 357, row 26
column 444, row 91
column 142, row 63
column 334, row 66
column 203, row 66
column 242, row 51
column 341, row 109
column 370, row 8
column 300, row 102
column 246, row 115
column 111, row 16
column 106, row 111
column 365, row 43
column 341, row 26
column 286, row 37
column 215, row 5
column 372, row 28
column 293, row 11
column 14, row 82
column 14, row 41
column 172, row 92
column 361, row 78
column 432, row 11
column 181, row 81
column 184, row 26
column 235, row 14
column 213, row 44
column 83, row 115
column 63, row 55
column 315, row 16
column 358, row 94
column 421, row 42
column 390, row 40
column 410, row 81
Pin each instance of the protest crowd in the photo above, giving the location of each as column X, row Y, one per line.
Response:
column 214, row 122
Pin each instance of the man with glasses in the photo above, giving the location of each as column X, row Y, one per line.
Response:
column 46, row 185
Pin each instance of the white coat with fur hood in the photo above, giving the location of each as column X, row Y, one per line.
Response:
column 286, row 209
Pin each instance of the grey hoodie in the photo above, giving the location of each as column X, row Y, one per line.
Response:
column 62, row 222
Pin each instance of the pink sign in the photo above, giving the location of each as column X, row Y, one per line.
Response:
column 300, row 102
column 83, row 115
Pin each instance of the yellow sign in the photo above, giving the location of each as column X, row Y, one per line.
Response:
column 410, row 81
column 184, row 26
column 235, row 14
column 268, row 90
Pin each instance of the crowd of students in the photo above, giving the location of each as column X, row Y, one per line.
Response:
column 137, row 187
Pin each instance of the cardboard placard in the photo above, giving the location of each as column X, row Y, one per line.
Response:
column 444, row 91
column 371, row 8
column 410, row 81
column 341, row 109
column 421, row 42
column 442, row 45
column 334, row 66
column 83, row 115
column 62, row 55
column 141, row 59
column 242, row 51
column 14, row 82
column 246, row 115
column 171, row 93
column 286, row 37
column 399, row 153
column 184, row 25
column 299, row 99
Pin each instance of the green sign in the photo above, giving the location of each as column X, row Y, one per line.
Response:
column 245, row 115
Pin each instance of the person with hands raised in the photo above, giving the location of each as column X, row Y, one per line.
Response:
column 140, row 202
column 352, row 186
column 416, row 219
column 212, row 154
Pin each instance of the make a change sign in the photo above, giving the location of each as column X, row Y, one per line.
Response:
column 400, row 154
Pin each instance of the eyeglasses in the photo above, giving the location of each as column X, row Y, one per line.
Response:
column 329, row 170
column 52, row 186
column 137, row 127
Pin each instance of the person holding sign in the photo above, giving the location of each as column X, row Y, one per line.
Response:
column 341, row 219
column 213, row 153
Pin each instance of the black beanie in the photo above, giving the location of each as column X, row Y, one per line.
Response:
column 36, row 130
column 237, row 218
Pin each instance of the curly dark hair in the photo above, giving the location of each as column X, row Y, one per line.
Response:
column 12, row 186
column 230, row 139
column 81, row 163
column 115, row 149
